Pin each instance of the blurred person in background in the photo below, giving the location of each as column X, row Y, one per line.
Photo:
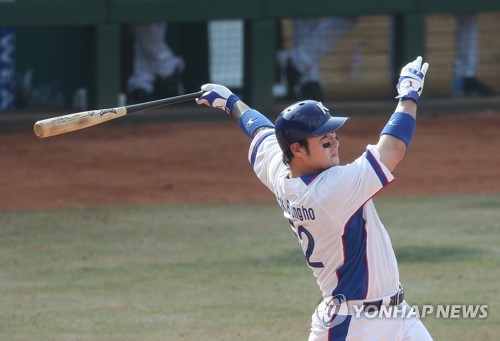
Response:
column 465, row 82
column 311, row 40
column 157, row 71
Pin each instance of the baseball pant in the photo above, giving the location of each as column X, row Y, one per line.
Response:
column 152, row 56
column 466, row 40
column 312, row 39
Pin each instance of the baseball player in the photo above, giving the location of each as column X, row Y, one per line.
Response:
column 329, row 206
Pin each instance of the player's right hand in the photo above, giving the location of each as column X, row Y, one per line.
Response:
column 217, row 96
column 411, row 80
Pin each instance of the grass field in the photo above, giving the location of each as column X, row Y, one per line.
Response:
column 225, row 272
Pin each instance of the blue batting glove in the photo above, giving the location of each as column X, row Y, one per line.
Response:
column 411, row 80
column 218, row 96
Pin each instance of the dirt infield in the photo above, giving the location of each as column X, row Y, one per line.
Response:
column 207, row 161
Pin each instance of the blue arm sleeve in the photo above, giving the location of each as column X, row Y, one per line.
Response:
column 252, row 120
column 402, row 126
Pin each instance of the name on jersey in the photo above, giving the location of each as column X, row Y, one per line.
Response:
column 302, row 213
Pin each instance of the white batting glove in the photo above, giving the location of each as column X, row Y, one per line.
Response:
column 217, row 96
column 411, row 80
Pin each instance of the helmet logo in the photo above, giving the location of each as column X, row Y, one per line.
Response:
column 323, row 108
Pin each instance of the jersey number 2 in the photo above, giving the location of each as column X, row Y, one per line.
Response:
column 310, row 246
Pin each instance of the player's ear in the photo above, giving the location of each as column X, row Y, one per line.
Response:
column 297, row 149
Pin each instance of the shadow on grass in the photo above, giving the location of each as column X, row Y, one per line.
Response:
column 435, row 254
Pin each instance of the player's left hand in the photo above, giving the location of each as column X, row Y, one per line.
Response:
column 217, row 96
column 411, row 80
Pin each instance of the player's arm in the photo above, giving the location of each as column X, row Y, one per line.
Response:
column 249, row 120
column 398, row 132
column 264, row 153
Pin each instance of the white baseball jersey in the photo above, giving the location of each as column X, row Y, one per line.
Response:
column 332, row 214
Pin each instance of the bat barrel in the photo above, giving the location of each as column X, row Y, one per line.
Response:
column 71, row 122
column 38, row 129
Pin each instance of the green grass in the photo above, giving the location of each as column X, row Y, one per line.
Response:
column 220, row 272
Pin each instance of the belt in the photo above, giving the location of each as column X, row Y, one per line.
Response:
column 396, row 299
column 337, row 306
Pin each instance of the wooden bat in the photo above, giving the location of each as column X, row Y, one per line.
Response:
column 71, row 122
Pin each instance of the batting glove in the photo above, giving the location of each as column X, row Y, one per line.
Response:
column 218, row 96
column 411, row 80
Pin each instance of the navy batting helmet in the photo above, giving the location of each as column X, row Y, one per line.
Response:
column 305, row 119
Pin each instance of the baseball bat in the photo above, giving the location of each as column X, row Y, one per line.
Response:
column 71, row 122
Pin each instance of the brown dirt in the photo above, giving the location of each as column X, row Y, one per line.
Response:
column 207, row 162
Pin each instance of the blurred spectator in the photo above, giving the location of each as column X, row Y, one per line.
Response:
column 157, row 71
column 312, row 39
column 7, row 68
column 465, row 82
